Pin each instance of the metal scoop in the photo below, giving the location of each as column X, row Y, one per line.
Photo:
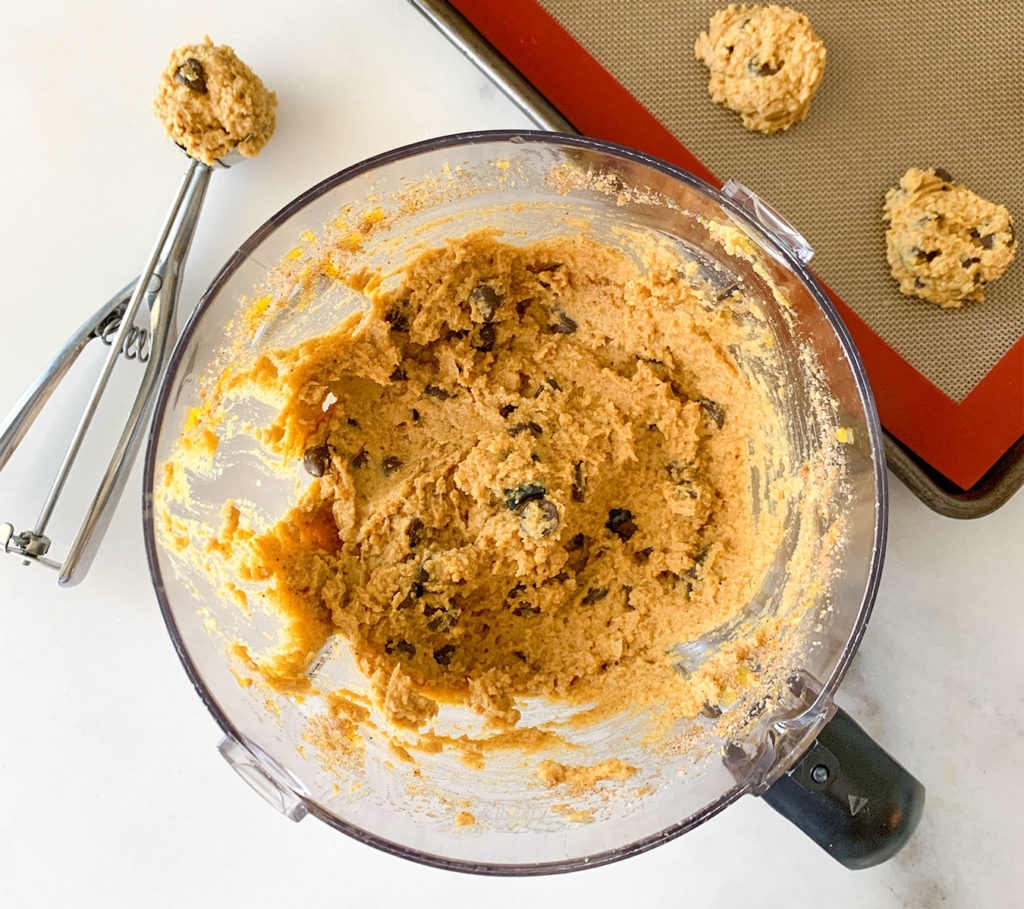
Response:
column 113, row 324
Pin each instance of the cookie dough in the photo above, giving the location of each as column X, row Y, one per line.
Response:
column 211, row 103
column 580, row 779
column 765, row 63
column 529, row 478
column 944, row 243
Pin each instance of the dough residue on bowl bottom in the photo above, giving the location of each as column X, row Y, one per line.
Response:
column 531, row 479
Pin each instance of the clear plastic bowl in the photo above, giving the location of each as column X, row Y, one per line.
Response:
column 504, row 180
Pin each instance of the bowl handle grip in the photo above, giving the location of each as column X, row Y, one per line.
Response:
column 263, row 776
column 850, row 796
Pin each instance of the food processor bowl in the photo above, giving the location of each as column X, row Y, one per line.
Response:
column 785, row 740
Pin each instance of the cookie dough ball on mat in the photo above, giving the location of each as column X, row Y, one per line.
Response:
column 765, row 63
column 945, row 243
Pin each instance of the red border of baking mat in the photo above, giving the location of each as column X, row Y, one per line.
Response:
column 961, row 441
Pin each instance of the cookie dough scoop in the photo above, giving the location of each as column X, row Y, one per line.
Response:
column 217, row 111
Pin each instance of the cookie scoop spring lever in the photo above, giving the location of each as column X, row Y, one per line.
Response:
column 114, row 324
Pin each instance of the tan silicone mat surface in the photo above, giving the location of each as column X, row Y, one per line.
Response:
column 933, row 83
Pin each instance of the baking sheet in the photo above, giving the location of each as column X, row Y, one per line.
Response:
column 933, row 83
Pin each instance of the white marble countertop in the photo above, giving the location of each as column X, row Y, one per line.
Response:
column 114, row 793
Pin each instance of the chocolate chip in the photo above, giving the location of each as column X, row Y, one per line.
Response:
column 524, row 609
column 553, row 384
column 712, row 711
column 594, row 595
column 519, row 654
column 642, row 556
column 418, row 588
column 487, row 336
column 923, row 256
column 942, row 174
column 389, row 464
column 579, row 482
column 398, row 375
column 360, row 459
column 657, row 367
column 415, row 415
column 700, row 556
column 918, row 283
column 537, row 267
column 575, row 543
column 443, row 655
column 352, row 422
column 620, row 522
column 988, row 241
column 506, row 410
column 432, row 391
column 442, row 620
column 564, row 324
column 539, row 519
column 518, row 428
column 968, row 261
column 191, row 75
column 516, row 498
column 402, row 648
column 317, row 460
column 760, row 70
column 486, row 300
column 712, row 411
column 415, row 530
column 397, row 319
column 430, row 609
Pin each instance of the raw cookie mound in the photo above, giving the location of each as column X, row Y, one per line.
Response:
column 210, row 102
column 944, row 242
column 765, row 62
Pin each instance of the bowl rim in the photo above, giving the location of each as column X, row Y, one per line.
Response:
column 451, row 142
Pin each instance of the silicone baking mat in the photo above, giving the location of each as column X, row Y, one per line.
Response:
column 931, row 83
column 905, row 84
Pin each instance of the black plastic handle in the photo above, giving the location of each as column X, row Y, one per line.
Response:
column 850, row 796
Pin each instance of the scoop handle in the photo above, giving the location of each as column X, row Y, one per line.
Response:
column 850, row 796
